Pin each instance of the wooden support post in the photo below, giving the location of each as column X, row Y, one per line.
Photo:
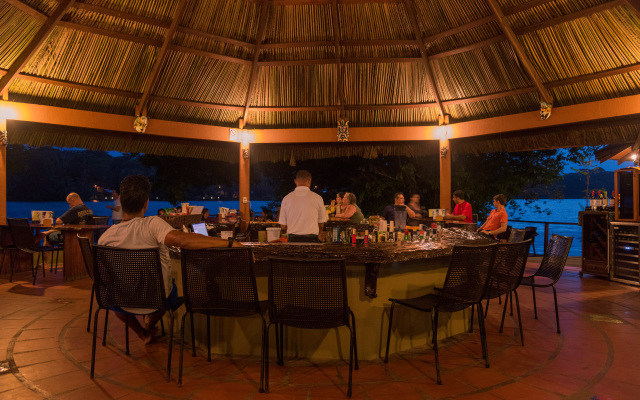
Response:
column 445, row 175
column 3, row 174
column 244, row 195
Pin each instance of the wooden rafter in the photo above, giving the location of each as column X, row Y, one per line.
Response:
column 34, row 44
column 122, row 14
column 262, row 27
column 411, row 14
column 155, row 71
column 635, row 6
column 337, row 83
column 524, row 59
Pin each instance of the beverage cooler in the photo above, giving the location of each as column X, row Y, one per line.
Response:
column 595, row 242
column 625, row 252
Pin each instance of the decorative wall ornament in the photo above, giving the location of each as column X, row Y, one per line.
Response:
column 140, row 124
column 245, row 152
column 3, row 138
column 545, row 110
column 343, row 130
column 444, row 150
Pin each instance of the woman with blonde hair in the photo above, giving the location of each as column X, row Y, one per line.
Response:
column 350, row 210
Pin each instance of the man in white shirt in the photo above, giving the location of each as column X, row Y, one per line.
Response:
column 139, row 232
column 302, row 214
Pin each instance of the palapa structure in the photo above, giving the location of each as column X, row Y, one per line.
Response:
column 412, row 77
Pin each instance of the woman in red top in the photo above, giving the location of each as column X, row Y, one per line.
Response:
column 498, row 218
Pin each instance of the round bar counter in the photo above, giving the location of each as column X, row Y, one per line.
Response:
column 401, row 271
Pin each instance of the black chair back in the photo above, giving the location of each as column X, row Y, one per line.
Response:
column 517, row 235
column 87, row 255
column 467, row 277
column 128, row 278
column 99, row 220
column 308, row 293
column 220, row 281
column 555, row 257
column 22, row 234
column 508, row 267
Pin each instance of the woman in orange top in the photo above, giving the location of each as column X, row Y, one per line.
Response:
column 498, row 218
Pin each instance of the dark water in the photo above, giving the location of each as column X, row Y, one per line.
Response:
column 558, row 211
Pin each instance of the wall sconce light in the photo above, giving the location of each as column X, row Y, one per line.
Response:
column 634, row 157
column 3, row 138
column 444, row 150
column 245, row 153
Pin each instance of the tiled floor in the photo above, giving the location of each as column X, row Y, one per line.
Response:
column 46, row 351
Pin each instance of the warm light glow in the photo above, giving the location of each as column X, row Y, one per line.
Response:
column 241, row 136
column 634, row 156
column 6, row 112
column 443, row 132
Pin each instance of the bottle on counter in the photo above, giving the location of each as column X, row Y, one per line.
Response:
column 366, row 236
column 592, row 200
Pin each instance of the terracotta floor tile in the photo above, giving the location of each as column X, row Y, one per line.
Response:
column 9, row 382
column 65, row 382
column 523, row 391
column 37, row 357
column 20, row 393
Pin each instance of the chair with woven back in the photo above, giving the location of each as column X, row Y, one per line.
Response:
column 550, row 271
column 516, row 235
column 23, row 239
column 309, row 294
column 465, row 285
column 506, row 275
column 220, row 282
column 132, row 279
column 87, row 256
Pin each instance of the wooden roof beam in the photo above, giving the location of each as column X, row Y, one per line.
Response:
column 635, row 6
column 524, row 59
column 262, row 27
column 411, row 14
column 35, row 43
column 155, row 71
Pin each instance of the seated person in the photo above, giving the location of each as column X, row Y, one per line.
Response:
column 398, row 200
column 337, row 203
column 414, row 204
column 208, row 218
column 462, row 211
column 352, row 212
column 139, row 232
column 161, row 211
column 77, row 214
column 497, row 221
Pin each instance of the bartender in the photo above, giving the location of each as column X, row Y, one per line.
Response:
column 398, row 200
column 302, row 214
column 462, row 211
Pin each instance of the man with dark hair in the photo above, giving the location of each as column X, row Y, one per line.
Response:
column 462, row 211
column 139, row 232
column 398, row 200
column 302, row 213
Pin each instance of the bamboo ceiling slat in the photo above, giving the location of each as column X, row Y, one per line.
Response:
column 497, row 107
column 211, row 46
column 294, row 86
column 195, row 115
column 299, row 23
column 115, row 24
column 435, row 16
column 374, row 22
column 16, row 30
column 239, row 21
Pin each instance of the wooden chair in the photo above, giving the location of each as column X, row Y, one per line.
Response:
column 220, row 282
column 551, row 267
column 309, row 294
column 465, row 285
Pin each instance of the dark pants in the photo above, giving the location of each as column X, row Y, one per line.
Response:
column 303, row 238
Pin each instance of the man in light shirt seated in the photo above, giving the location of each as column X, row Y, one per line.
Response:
column 139, row 232
column 302, row 214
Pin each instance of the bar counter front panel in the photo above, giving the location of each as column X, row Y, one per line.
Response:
column 407, row 270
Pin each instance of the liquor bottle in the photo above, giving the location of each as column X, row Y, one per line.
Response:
column 592, row 200
column 353, row 236
column 366, row 236
column 406, row 235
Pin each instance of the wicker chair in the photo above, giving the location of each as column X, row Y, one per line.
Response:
column 220, row 282
column 23, row 239
column 309, row 294
column 465, row 285
column 551, row 267
column 87, row 256
column 531, row 233
column 128, row 278
column 517, row 235
column 508, row 269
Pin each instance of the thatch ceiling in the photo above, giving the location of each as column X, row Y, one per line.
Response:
column 304, row 63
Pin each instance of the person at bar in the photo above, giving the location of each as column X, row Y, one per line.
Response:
column 462, row 211
column 116, row 208
column 352, row 212
column 77, row 214
column 398, row 200
column 497, row 221
column 139, row 232
column 337, row 203
column 302, row 212
column 414, row 204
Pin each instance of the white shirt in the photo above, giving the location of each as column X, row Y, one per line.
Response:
column 142, row 233
column 302, row 211
column 116, row 215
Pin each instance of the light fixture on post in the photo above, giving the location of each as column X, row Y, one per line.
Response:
column 3, row 138
column 244, row 137
column 443, row 121
column 634, row 157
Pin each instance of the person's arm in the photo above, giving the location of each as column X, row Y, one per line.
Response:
column 503, row 228
column 410, row 212
column 456, row 217
column 193, row 241
column 348, row 213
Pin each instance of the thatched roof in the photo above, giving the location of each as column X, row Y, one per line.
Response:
column 305, row 63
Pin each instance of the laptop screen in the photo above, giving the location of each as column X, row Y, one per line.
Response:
column 200, row 228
